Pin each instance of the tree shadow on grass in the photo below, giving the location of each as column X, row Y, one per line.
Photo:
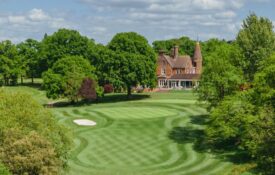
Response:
column 199, row 119
column 182, row 135
column 32, row 85
column 227, row 151
column 110, row 98
column 113, row 98
column 37, row 86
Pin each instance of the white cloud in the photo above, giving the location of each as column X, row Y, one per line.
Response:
column 160, row 4
column 226, row 14
column 38, row 15
column 57, row 23
column 209, row 4
column 34, row 17
column 31, row 24
column 17, row 19
column 161, row 18
column 100, row 29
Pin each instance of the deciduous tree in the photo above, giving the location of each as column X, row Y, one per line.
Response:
column 257, row 41
column 185, row 44
column 66, row 76
column 30, row 56
column 220, row 77
column 10, row 66
column 136, row 60
column 63, row 43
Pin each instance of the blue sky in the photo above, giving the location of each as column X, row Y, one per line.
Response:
column 155, row 19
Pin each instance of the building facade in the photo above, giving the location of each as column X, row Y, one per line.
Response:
column 179, row 72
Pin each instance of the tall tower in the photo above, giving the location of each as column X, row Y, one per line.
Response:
column 197, row 58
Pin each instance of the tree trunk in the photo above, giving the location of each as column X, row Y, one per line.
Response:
column 22, row 79
column 32, row 79
column 129, row 93
column 6, row 80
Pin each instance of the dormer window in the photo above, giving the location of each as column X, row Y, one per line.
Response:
column 163, row 68
column 193, row 70
column 178, row 71
column 163, row 71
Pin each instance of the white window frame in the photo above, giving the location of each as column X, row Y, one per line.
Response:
column 163, row 71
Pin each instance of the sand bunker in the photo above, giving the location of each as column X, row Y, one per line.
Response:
column 85, row 122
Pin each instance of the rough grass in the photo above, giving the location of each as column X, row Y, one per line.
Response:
column 152, row 134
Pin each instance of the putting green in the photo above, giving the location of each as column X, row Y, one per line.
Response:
column 135, row 112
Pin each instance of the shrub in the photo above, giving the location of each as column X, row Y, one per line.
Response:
column 29, row 154
column 31, row 140
column 88, row 89
column 99, row 91
column 108, row 88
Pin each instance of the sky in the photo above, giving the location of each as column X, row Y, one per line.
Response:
column 154, row 19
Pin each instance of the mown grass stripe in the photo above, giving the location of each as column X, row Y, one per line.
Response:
column 132, row 137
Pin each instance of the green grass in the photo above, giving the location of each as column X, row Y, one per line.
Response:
column 151, row 136
column 37, row 94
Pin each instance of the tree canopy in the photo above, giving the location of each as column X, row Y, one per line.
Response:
column 127, row 61
column 10, row 67
column 66, row 76
column 257, row 42
column 238, row 83
column 219, row 81
column 30, row 56
column 185, row 44
column 65, row 42
column 131, row 42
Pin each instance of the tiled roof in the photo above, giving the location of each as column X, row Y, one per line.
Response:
column 185, row 76
column 178, row 62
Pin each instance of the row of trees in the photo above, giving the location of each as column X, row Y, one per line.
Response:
column 66, row 58
column 238, row 83
column 127, row 61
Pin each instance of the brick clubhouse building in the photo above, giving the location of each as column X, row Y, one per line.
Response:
column 176, row 71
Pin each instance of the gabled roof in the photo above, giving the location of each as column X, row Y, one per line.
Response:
column 185, row 61
column 178, row 62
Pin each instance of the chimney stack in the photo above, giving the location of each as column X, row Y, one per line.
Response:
column 161, row 52
column 176, row 51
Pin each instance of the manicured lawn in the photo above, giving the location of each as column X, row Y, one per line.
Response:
column 154, row 136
